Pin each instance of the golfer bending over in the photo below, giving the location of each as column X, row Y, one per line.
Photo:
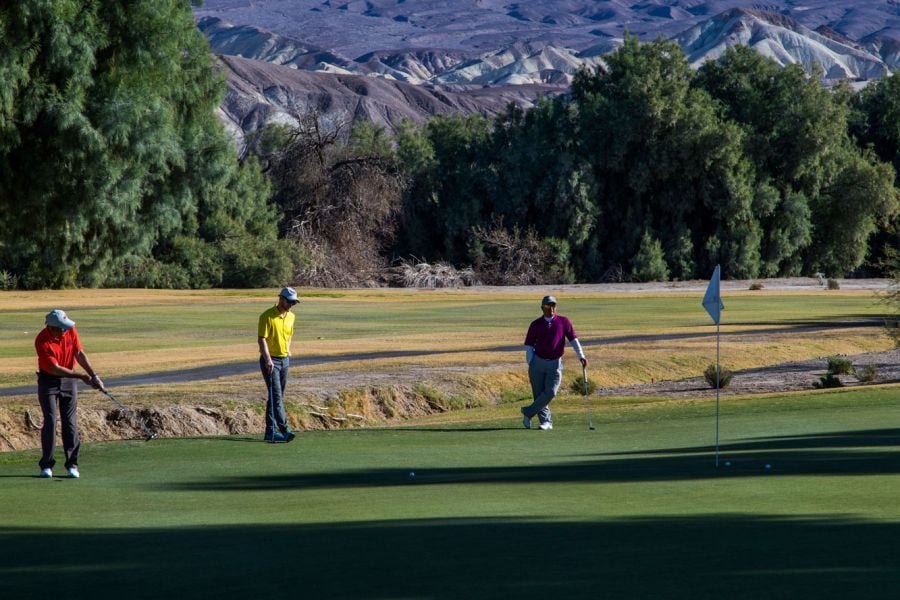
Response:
column 58, row 349
column 545, row 343
column 276, row 328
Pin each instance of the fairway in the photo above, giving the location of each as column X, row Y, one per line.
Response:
column 635, row 509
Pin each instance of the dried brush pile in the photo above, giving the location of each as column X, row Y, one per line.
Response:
column 420, row 274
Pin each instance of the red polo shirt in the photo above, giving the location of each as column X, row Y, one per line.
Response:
column 60, row 352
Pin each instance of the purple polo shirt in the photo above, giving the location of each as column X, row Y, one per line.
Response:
column 549, row 339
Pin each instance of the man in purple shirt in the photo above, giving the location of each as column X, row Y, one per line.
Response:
column 545, row 343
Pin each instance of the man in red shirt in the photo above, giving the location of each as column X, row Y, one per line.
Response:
column 58, row 349
column 545, row 343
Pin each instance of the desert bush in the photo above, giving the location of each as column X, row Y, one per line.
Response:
column 892, row 329
column 515, row 257
column 577, row 386
column 832, row 284
column 340, row 201
column 829, row 380
column 251, row 262
column 840, row 366
column 867, row 373
column 725, row 376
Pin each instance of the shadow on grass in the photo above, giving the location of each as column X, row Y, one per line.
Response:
column 819, row 454
column 713, row 556
column 867, row 438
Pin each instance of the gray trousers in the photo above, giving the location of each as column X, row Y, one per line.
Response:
column 276, row 418
column 59, row 398
column 545, row 376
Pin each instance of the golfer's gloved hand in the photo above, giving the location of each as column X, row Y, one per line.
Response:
column 97, row 382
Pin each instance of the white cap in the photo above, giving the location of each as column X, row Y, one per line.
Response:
column 59, row 318
column 290, row 294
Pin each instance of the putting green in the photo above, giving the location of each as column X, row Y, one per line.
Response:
column 635, row 509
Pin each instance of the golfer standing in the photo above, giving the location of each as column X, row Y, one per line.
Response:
column 545, row 343
column 276, row 328
column 58, row 349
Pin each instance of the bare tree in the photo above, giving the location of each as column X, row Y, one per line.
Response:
column 340, row 204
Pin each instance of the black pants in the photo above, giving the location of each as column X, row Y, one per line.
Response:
column 58, row 397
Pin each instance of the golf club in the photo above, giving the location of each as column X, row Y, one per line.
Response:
column 587, row 398
column 147, row 431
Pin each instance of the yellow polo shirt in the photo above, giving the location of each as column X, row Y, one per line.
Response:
column 277, row 330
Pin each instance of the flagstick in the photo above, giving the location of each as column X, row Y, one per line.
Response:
column 717, row 395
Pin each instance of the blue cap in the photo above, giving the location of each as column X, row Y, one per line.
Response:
column 59, row 318
column 290, row 294
column 548, row 300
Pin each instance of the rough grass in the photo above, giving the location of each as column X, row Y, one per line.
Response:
column 131, row 332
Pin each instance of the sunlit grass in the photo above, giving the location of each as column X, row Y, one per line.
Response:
column 131, row 332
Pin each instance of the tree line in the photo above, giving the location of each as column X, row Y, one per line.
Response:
column 114, row 171
column 647, row 170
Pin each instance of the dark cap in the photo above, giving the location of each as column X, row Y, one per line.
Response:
column 548, row 300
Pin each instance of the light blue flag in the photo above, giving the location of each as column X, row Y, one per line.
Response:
column 712, row 300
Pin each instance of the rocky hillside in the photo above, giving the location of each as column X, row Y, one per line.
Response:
column 784, row 40
column 385, row 60
column 260, row 92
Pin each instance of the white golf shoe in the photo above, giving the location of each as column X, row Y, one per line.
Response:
column 546, row 426
column 46, row 473
column 73, row 473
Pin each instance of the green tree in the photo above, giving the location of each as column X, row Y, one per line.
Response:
column 662, row 158
column 112, row 163
column 819, row 198
column 649, row 262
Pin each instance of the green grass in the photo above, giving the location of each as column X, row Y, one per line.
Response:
column 635, row 509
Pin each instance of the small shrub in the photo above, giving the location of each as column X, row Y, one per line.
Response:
column 839, row 366
column 8, row 281
column 755, row 286
column 892, row 329
column 832, row 284
column 649, row 264
column 829, row 380
column 867, row 374
column 577, row 386
column 725, row 376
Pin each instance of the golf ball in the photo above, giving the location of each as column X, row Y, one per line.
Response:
column 412, row 473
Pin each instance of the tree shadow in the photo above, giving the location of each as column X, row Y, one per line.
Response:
column 709, row 556
column 818, row 454
column 866, row 438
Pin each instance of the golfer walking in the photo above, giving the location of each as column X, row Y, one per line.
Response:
column 58, row 349
column 276, row 328
column 545, row 343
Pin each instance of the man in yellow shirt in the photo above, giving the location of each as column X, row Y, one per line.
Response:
column 276, row 328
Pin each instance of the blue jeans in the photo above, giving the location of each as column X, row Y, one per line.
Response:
column 545, row 376
column 276, row 381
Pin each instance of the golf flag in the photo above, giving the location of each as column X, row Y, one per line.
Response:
column 712, row 300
